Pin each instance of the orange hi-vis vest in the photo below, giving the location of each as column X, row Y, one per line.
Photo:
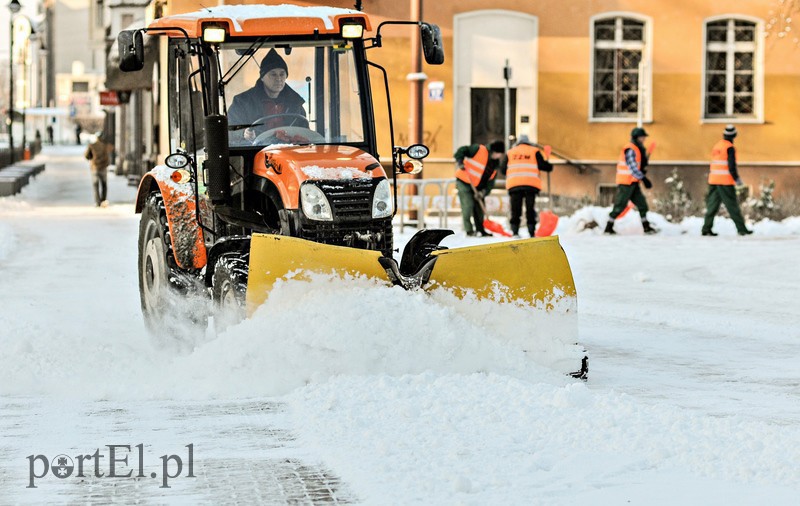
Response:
column 624, row 174
column 472, row 173
column 522, row 169
column 719, row 172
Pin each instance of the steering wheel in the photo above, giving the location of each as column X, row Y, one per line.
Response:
column 260, row 121
column 289, row 135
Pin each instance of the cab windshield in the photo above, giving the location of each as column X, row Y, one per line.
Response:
column 291, row 94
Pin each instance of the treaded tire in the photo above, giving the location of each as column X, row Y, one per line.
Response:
column 229, row 288
column 174, row 302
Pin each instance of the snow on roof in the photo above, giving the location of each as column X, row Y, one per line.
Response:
column 239, row 13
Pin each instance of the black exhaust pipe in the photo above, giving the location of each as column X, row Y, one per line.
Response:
column 216, row 167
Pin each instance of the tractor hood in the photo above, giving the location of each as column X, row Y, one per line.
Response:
column 288, row 166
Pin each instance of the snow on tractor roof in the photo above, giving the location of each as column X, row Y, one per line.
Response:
column 258, row 20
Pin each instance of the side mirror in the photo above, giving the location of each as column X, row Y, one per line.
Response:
column 432, row 46
column 131, row 50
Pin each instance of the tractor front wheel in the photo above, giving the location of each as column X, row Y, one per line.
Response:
column 173, row 303
column 229, row 287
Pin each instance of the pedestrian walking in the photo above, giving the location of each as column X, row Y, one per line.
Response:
column 723, row 177
column 78, row 131
column 631, row 168
column 99, row 155
column 476, row 169
column 525, row 162
column 50, row 134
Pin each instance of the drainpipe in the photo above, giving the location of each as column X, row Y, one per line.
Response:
column 416, row 78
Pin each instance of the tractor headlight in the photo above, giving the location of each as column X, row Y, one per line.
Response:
column 382, row 201
column 315, row 204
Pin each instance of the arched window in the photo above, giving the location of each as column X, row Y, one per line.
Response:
column 619, row 49
column 732, row 81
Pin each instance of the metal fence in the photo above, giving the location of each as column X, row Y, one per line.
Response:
column 437, row 200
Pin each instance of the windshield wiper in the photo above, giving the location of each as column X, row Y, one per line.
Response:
column 245, row 125
column 239, row 64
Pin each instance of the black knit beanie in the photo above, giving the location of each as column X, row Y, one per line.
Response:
column 272, row 61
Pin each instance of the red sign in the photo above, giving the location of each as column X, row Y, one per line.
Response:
column 109, row 98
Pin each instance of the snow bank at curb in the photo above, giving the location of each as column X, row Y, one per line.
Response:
column 630, row 224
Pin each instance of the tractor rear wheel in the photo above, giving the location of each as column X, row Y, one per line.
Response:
column 229, row 287
column 173, row 301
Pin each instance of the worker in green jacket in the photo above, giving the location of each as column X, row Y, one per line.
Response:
column 476, row 169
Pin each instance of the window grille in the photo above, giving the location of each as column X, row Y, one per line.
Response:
column 619, row 44
column 730, row 73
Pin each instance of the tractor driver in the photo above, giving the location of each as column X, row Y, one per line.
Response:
column 269, row 103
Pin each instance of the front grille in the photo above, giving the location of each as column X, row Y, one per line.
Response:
column 350, row 201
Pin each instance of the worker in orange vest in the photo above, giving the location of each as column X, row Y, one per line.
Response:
column 523, row 182
column 476, row 169
column 722, row 177
column 631, row 168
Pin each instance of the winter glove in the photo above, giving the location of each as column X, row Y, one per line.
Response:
column 481, row 194
column 739, row 182
column 647, row 183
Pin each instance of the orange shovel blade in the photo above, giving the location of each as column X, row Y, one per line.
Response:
column 548, row 221
column 494, row 227
column 625, row 211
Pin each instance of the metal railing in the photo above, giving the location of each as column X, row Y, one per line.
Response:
column 438, row 198
column 423, row 202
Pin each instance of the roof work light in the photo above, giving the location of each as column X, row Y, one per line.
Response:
column 213, row 34
column 352, row 31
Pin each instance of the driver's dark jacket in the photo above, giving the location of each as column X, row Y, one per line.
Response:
column 254, row 103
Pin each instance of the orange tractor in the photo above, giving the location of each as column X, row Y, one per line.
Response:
column 253, row 190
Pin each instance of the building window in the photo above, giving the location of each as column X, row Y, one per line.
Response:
column 731, row 75
column 619, row 49
column 80, row 86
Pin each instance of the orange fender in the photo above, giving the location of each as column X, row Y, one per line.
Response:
column 180, row 205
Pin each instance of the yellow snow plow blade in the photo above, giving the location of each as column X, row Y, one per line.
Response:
column 531, row 270
column 273, row 257
column 534, row 271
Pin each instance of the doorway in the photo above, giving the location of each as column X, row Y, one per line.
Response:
column 487, row 110
column 485, row 42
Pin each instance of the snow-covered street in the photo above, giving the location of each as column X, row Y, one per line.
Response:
column 352, row 392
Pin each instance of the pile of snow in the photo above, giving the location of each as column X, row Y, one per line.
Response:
column 311, row 330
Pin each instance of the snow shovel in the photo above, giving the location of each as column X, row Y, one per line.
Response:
column 548, row 220
column 491, row 226
column 630, row 205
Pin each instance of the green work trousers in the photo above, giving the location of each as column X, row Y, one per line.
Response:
column 470, row 209
column 625, row 193
column 723, row 194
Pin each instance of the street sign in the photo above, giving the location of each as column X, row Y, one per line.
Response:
column 109, row 97
column 436, row 91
